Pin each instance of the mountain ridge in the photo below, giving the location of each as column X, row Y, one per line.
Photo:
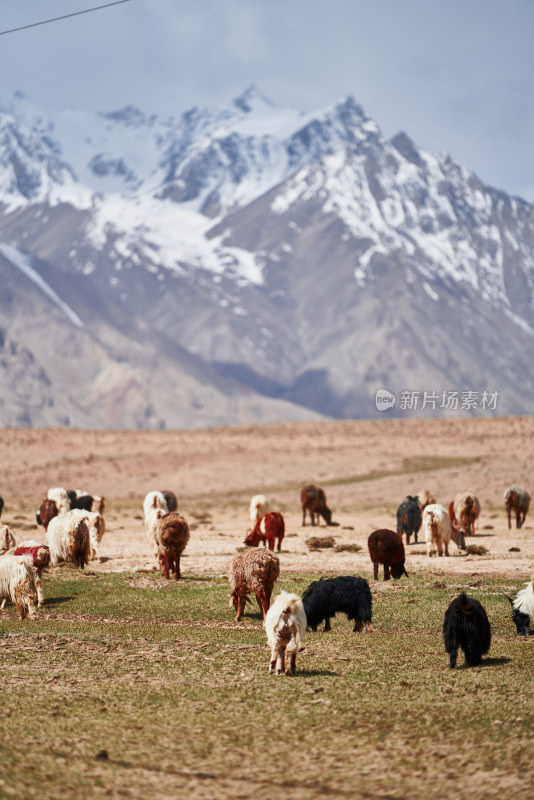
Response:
column 297, row 261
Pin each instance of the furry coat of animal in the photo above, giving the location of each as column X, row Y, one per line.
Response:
column 285, row 626
column 409, row 518
column 466, row 626
column 324, row 598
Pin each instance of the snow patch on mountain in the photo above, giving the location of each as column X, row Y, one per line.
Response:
column 23, row 263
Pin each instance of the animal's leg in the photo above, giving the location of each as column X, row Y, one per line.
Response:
column 327, row 626
column 446, row 548
column 240, row 608
column 369, row 627
column 292, row 653
column 38, row 584
column 177, row 575
column 453, row 655
column 280, row 662
column 518, row 520
column 274, row 649
column 386, row 572
column 375, row 570
column 358, row 626
column 166, row 558
column 4, row 605
column 264, row 606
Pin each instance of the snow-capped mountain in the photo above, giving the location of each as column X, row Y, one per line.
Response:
column 252, row 262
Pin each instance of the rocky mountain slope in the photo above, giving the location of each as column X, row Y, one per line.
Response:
column 251, row 263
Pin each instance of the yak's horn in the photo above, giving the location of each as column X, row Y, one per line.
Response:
column 509, row 598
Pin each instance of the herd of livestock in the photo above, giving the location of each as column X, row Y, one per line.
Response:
column 74, row 525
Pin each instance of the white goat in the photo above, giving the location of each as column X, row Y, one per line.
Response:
column 285, row 626
column 439, row 531
column 39, row 557
column 259, row 505
column 17, row 583
column 68, row 539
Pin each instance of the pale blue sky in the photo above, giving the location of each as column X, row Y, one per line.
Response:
column 456, row 76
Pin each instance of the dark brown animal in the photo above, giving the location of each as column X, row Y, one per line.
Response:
column 171, row 533
column 47, row 511
column 268, row 528
column 313, row 499
column 518, row 501
column 386, row 547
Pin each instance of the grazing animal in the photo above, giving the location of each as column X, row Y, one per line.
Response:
column 68, row 539
column 466, row 625
column 464, row 511
column 313, row 499
column 386, row 547
column 518, row 501
column 40, row 559
column 97, row 527
column 47, row 511
column 171, row 533
column 523, row 608
column 170, row 499
column 409, row 518
column 17, row 584
column 438, row 530
column 351, row 596
column 255, row 570
column 425, row 498
column 268, row 528
column 259, row 505
column 285, row 626
column 7, row 540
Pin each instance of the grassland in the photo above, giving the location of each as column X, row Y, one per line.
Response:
column 129, row 686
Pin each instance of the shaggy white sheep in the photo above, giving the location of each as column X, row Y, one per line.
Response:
column 17, row 583
column 285, row 626
column 68, row 539
column 438, row 530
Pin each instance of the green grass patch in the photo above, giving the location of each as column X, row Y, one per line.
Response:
column 130, row 686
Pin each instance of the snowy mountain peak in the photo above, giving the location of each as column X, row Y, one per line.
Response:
column 252, row 99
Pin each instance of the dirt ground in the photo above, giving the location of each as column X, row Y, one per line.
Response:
column 366, row 468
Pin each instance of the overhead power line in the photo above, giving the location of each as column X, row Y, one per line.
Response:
column 65, row 16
